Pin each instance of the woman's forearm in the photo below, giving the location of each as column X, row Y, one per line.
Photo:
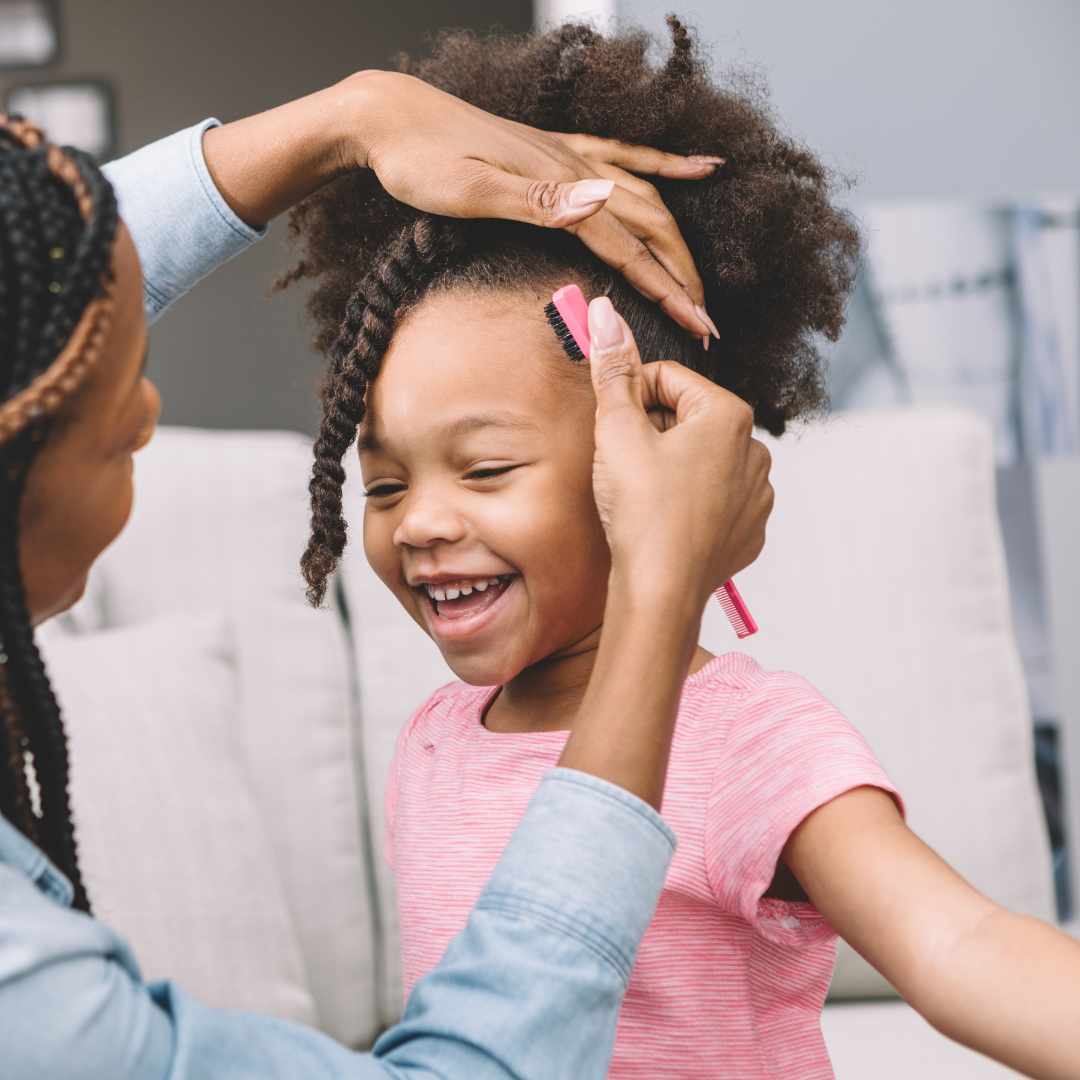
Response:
column 266, row 163
column 623, row 730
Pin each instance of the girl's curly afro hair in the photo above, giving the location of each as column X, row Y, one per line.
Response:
column 776, row 256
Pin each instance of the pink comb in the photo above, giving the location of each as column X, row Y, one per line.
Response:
column 568, row 314
column 742, row 622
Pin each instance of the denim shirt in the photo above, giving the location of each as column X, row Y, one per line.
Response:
column 530, row 988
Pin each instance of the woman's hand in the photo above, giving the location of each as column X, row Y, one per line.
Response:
column 440, row 154
column 684, row 508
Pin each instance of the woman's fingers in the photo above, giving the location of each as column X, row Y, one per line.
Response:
column 669, row 386
column 651, row 222
column 639, row 240
column 475, row 189
column 641, row 159
column 607, row 237
column 614, row 362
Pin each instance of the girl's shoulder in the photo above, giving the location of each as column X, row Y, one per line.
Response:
column 733, row 678
column 733, row 697
column 455, row 703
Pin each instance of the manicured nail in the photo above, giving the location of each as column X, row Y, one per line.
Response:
column 589, row 192
column 707, row 159
column 704, row 316
column 605, row 327
column 705, row 342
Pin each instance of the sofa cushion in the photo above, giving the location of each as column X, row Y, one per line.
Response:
column 888, row 1040
column 220, row 521
column 173, row 848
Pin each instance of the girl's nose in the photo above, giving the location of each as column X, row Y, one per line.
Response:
column 428, row 521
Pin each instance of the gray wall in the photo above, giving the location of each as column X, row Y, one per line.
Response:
column 970, row 98
column 227, row 355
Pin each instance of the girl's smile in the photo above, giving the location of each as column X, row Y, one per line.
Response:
column 465, row 608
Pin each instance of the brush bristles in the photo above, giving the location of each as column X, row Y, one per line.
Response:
column 562, row 332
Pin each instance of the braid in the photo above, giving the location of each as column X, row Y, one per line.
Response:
column 58, row 222
column 415, row 256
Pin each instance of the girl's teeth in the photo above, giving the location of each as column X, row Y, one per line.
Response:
column 437, row 593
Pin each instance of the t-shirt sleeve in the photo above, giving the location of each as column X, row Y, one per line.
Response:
column 789, row 751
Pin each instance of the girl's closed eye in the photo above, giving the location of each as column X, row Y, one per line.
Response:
column 489, row 472
column 383, row 490
column 481, row 473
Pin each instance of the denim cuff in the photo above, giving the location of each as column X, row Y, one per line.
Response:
column 588, row 860
column 181, row 225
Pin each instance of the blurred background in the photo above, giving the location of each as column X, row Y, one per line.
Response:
column 957, row 122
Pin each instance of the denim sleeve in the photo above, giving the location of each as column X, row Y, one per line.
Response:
column 182, row 227
column 530, row 988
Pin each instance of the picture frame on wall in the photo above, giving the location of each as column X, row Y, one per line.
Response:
column 72, row 112
column 29, row 34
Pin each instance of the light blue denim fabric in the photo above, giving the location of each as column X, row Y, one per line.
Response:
column 530, row 988
column 182, row 227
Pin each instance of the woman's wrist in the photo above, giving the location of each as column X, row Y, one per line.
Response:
column 623, row 730
column 266, row 163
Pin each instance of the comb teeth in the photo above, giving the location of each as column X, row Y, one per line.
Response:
column 563, row 333
column 742, row 622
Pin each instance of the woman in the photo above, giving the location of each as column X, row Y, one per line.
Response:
column 532, row 986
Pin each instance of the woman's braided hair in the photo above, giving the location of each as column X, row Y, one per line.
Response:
column 58, row 222
column 776, row 255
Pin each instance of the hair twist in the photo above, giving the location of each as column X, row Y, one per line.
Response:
column 420, row 250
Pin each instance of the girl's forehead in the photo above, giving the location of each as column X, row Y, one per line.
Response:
column 483, row 352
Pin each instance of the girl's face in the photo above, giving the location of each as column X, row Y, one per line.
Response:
column 477, row 460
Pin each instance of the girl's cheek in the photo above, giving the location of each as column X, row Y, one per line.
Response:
column 379, row 546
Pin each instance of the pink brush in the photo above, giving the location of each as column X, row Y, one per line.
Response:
column 568, row 314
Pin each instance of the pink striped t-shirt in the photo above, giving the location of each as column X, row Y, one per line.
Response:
column 727, row 983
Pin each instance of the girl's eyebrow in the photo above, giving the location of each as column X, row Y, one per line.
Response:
column 463, row 425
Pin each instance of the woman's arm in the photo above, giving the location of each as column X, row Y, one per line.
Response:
column 532, row 986
column 552, row 937
column 195, row 199
column 1006, row 985
column 435, row 152
column 665, row 564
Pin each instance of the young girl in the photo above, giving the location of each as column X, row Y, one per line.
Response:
column 475, row 441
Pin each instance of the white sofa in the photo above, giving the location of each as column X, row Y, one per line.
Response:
column 229, row 744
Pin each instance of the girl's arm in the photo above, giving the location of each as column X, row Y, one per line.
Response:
column 1006, row 985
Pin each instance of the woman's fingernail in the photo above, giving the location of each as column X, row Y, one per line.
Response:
column 605, row 326
column 588, row 192
column 706, row 159
column 704, row 316
column 705, row 342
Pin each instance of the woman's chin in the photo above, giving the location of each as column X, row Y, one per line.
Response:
column 56, row 604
